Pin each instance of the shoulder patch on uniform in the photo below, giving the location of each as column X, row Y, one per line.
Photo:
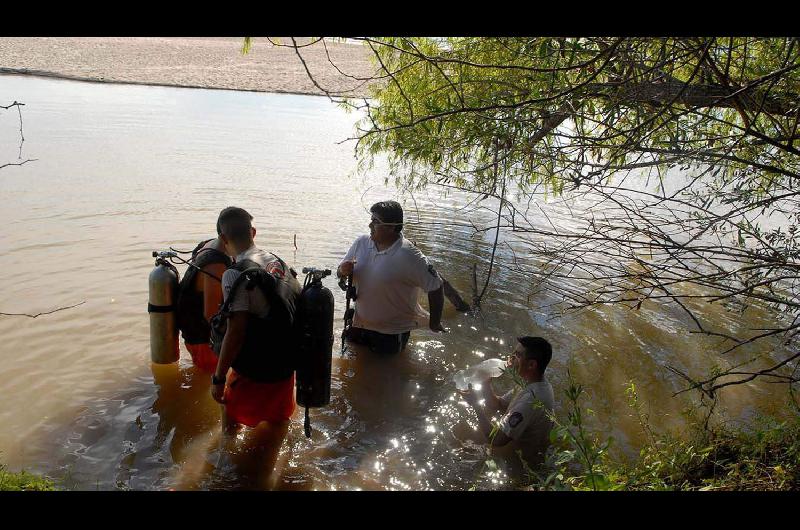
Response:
column 275, row 268
column 515, row 419
column 431, row 270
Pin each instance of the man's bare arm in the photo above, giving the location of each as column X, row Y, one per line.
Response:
column 231, row 346
column 212, row 290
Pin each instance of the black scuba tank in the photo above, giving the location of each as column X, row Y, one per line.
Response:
column 315, row 320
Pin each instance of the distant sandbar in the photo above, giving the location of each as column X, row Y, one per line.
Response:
column 196, row 62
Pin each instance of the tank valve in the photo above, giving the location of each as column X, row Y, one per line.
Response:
column 318, row 274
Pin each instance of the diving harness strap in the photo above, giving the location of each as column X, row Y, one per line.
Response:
column 349, row 312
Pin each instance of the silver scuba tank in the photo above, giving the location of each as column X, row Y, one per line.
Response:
column 163, row 282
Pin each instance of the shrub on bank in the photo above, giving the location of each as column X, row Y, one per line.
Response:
column 764, row 457
column 23, row 481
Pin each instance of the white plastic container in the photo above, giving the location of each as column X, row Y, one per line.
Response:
column 479, row 373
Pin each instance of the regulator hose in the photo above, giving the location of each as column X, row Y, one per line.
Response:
column 189, row 263
column 167, row 264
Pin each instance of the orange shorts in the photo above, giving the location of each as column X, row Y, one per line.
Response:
column 203, row 357
column 249, row 402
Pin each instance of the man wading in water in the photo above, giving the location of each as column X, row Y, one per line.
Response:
column 388, row 272
column 525, row 425
column 258, row 347
column 199, row 298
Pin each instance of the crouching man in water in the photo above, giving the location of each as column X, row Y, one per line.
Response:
column 388, row 272
column 525, row 425
column 254, row 378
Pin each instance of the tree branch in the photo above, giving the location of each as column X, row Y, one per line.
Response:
column 44, row 313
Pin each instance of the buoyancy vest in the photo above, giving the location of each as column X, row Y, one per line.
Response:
column 189, row 308
column 270, row 345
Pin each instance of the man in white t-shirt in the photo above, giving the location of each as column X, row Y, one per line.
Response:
column 525, row 425
column 388, row 273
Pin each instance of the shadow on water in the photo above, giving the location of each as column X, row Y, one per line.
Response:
column 135, row 439
column 163, row 433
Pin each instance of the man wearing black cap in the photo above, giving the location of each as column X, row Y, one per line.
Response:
column 388, row 272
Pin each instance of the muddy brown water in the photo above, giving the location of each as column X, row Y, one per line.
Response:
column 124, row 170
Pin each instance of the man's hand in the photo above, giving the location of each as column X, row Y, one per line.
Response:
column 217, row 392
column 470, row 396
column 346, row 268
column 486, row 427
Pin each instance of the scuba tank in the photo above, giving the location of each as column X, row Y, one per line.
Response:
column 315, row 317
column 163, row 282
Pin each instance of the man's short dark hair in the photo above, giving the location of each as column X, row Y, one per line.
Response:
column 235, row 223
column 389, row 212
column 537, row 348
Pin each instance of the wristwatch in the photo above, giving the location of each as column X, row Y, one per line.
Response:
column 217, row 381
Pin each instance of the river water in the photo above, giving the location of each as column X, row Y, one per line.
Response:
column 123, row 170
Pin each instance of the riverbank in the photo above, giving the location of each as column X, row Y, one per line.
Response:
column 763, row 455
column 193, row 62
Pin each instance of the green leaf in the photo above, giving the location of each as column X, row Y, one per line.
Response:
column 564, row 457
column 553, row 436
column 598, row 481
column 248, row 43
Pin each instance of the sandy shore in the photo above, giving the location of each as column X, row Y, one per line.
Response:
column 214, row 62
